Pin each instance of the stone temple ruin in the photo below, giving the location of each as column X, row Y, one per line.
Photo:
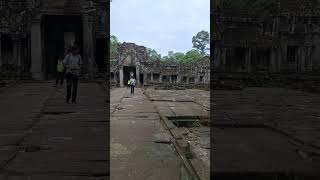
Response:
column 133, row 61
column 34, row 33
column 280, row 37
column 266, row 43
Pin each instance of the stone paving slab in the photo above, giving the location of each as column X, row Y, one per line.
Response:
column 17, row 103
column 189, row 95
column 51, row 177
column 236, row 150
column 66, row 139
column 134, row 129
column 181, row 109
column 294, row 112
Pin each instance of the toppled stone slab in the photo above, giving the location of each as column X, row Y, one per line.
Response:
column 162, row 138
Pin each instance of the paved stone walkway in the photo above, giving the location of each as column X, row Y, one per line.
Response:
column 266, row 130
column 42, row 137
column 135, row 129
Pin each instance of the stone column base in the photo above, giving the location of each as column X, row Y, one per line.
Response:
column 38, row 76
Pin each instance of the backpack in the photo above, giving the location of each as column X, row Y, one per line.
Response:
column 60, row 67
column 71, row 70
column 133, row 82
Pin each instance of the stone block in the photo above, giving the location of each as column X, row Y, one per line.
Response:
column 176, row 133
column 183, row 145
column 169, row 124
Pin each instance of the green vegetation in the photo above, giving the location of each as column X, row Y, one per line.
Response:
column 190, row 57
column 200, row 42
column 114, row 44
column 153, row 54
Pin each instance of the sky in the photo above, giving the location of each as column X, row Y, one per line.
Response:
column 163, row 25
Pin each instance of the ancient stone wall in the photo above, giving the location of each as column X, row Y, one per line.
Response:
column 21, row 28
column 285, row 40
column 156, row 72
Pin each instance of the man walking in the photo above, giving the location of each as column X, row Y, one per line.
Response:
column 60, row 72
column 133, row 84
column 73, row 63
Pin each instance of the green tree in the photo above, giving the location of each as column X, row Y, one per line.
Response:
column 169, row 58
column 192, row 56
column 114, row 44
column 201, row 41
column 153, row 54
column 179, row 57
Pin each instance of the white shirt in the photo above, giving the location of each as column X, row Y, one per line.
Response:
column 73, row 63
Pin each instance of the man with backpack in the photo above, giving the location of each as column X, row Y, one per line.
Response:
column 132, row 84
column 73, row 64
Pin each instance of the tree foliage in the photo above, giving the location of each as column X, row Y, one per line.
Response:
column 201, row 41
column 114, row 44
column 153, row 54
column 190, row 57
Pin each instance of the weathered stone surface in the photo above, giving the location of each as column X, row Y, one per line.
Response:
column 203, row 171
column 162, row 138
column 59, row 143
column 169, row 124
column 139, row 142
column 176, row 133
column 183, row 145
column 155, row 73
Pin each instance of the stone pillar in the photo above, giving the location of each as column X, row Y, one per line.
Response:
column 248, row 60
column 151, row 78
column 309, row 59
column 0, row 52
column 273, row 58
column 315, row 52
column 17, row 51
column 88, row 45
column 223, row 59
column 217, row 58
column 36, row 50
column 170, row 78
column 121, row 76
column 138, row 76
column 302, row 58
column 145, row 78
column 160, row 77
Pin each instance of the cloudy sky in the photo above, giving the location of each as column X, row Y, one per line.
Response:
column 163, row 25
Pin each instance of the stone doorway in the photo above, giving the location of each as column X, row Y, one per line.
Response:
column 235, row 59
column 60, row 32
column 128, row 71
column 141, row 79
column 260, row 60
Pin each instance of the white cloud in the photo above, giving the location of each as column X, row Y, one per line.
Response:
column 163, row 25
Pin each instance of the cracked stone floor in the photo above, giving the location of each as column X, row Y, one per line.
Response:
column 42, row 137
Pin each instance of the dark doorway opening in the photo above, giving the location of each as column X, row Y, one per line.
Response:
column 101, row 49
column 260, row 60
column 156, row 77
column 141, row 79
column 235, row 60
column 6, row 49
column 60, row 32
column 127, row 72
